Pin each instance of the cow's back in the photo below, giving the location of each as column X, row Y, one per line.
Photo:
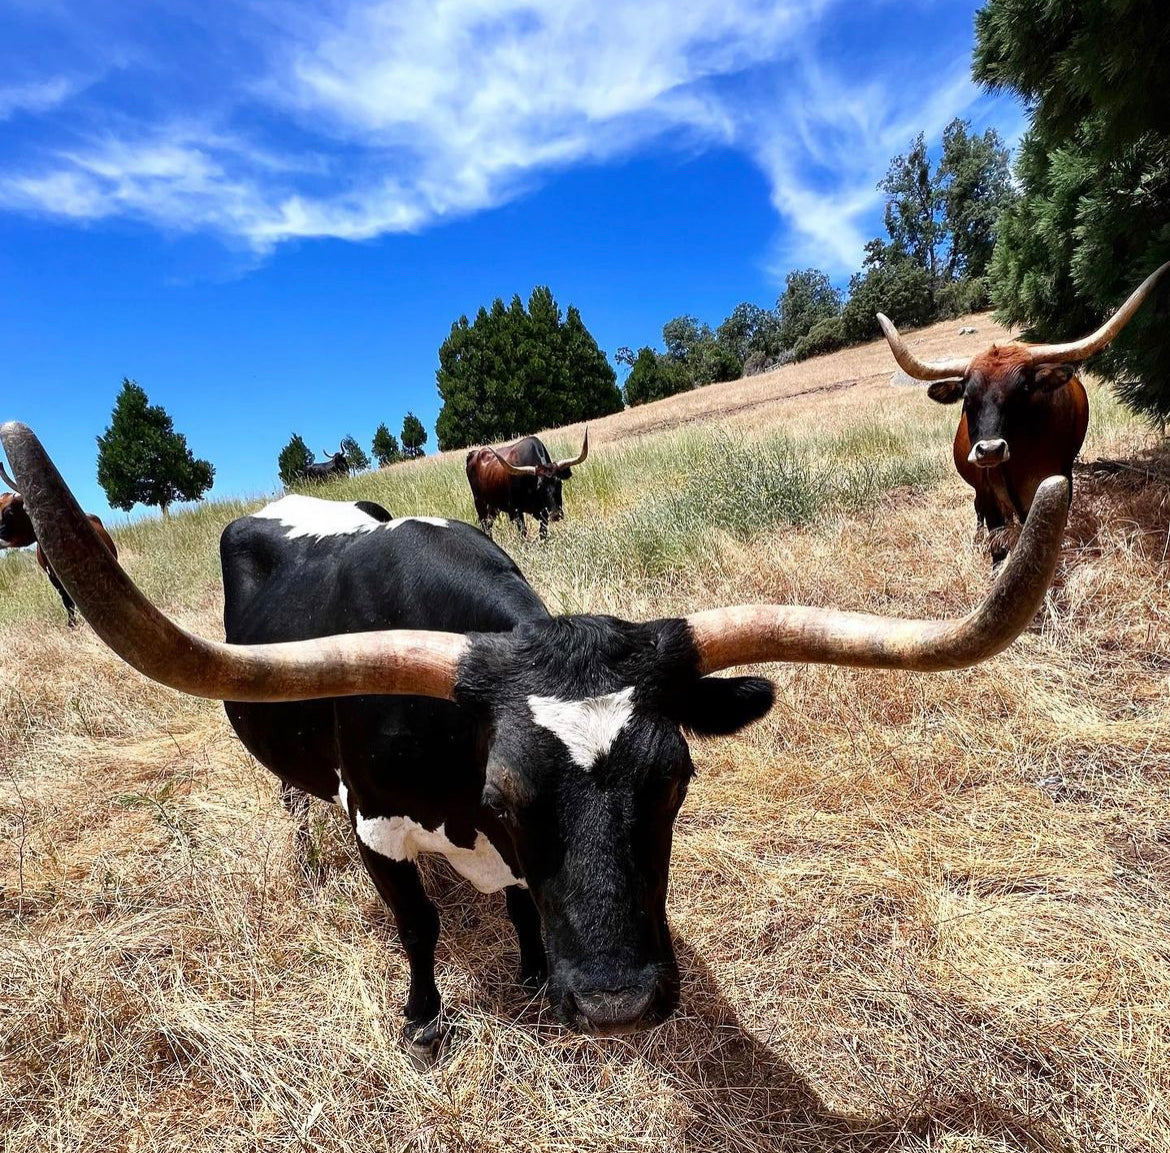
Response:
column 409, row 573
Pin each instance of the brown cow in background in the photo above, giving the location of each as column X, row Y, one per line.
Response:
column 517, row 479
column 16, row 531
column 1025, row 413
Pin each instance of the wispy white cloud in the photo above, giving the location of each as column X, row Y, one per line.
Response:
column 824, row 156
column 362, row 117
column 36, row 96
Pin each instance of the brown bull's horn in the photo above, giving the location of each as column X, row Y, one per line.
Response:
column 911, row 365
column 396, row 661
column 753, row 634
column 8, row 480
column 514, row 469
column 577, row 459
column 1080, row 349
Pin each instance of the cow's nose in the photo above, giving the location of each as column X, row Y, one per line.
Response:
column 615, row 1010
column 988, row 453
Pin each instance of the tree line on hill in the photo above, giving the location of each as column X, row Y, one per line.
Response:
column 940, row 220
column 296, row 456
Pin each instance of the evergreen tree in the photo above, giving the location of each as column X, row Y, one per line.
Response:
column 750, row 330
column 294, row 460
column 654, row 377
column 414, row 436
column 354, row 454
column 808, row 298
column 515, row 370
column 385, row 446
column 695, row 350
column 890, row 282
column 1094, row 173
column 974, row 186
column 942, row 217
column 142, row 460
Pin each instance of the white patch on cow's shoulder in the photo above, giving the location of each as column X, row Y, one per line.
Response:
column 402, row 839
column 437, row 521
column 586, row 728
column 312, row 516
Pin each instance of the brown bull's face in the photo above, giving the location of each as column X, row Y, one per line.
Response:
column 16, row 528
column 1003, row 396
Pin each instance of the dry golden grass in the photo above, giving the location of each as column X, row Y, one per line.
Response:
column 912, row 912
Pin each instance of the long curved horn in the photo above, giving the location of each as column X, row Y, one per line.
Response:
column 514, row 469
column 751, row 634
column 8, row 480
column 395, row 661
column 1080, row 349
column 577, row 459
column 911, row 365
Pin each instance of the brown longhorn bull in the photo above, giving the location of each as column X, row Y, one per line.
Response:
column 16, row 531
column 517, row 479
column 1024, row 416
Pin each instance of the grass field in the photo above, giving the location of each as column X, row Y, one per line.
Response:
column 912, row 912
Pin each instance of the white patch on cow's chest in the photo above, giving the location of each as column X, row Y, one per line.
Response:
column 312, row 516
column 402, row 839
column 586, row 728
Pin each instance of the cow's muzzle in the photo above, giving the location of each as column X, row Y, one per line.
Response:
column 989, row 453
column 647, row 999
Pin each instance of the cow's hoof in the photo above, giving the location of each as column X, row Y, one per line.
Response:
column 424, row 1042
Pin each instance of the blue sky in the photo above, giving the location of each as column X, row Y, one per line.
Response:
column 268, row 213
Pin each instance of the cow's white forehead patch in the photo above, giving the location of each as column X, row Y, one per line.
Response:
column 312, row 516
column 586, row 728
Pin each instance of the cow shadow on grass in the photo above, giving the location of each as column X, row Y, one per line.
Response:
column 1126, row 501
column 728, row 1076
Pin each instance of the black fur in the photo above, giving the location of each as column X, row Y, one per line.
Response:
column 593, row 845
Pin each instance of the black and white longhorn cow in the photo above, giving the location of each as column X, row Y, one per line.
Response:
column 406, row 669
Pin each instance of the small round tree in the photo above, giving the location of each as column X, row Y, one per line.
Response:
column 142, row 460
column 354, row 454
column 385, row 446
column 414, row 436
column 294, row 460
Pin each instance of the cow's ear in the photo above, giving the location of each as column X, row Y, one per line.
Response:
column 945, row 391
column 717, row 706
column 565, row 473
column 1050, row 377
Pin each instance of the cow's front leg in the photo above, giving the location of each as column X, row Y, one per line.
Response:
column 544, row 526
column 66, row 599
column 486, row 519
column 526, row 921
column 518, row 521
column 417, row 919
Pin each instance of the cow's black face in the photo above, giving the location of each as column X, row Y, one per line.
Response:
column 586, row 772
column 16, row 527
column 548, row 497
column 1000, row 402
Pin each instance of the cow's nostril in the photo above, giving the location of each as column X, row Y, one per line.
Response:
column 989, row 452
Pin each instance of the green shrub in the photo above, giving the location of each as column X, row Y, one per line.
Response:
column 825, row 336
